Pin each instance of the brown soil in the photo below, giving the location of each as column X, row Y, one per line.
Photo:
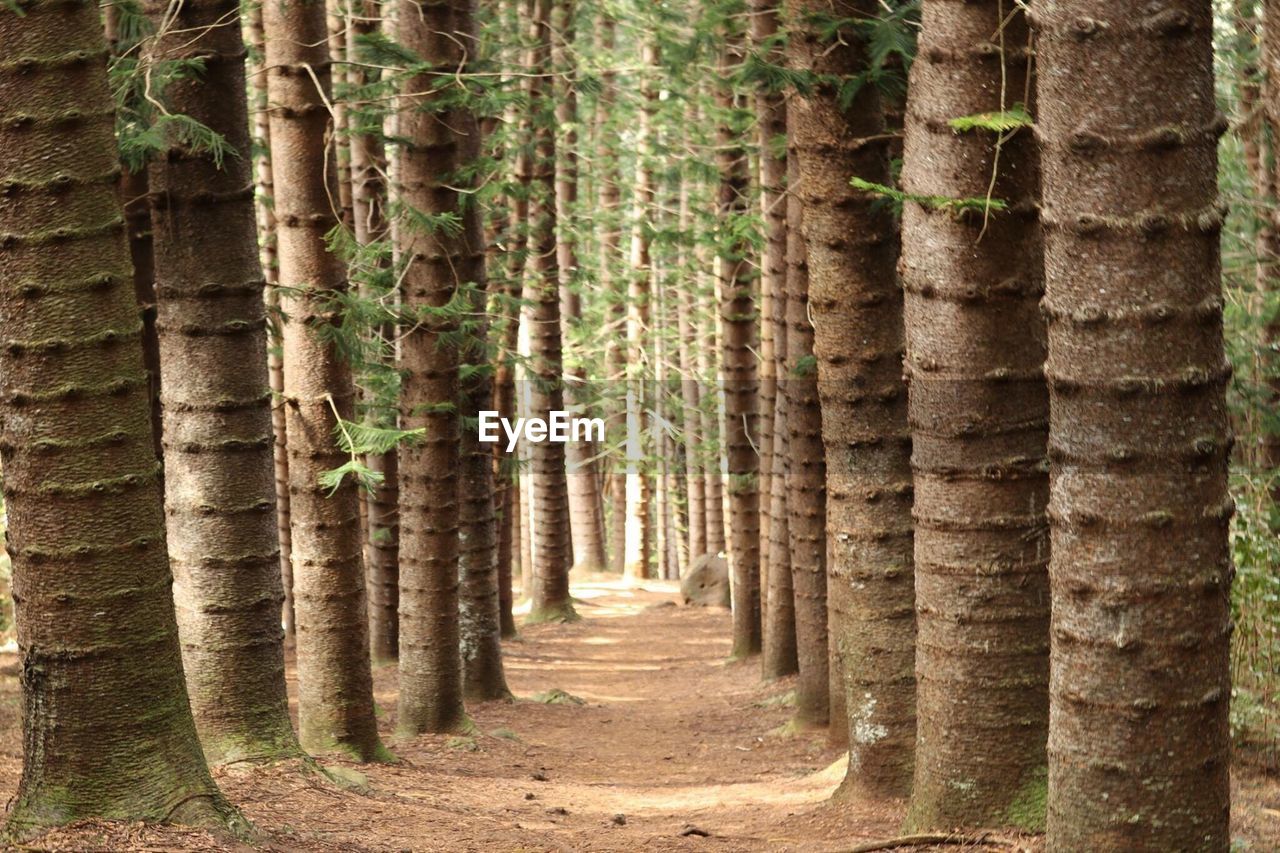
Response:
column 670, row 738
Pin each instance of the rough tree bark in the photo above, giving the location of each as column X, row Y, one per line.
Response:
column 335, row 698
column 806, row 481
column 709, row 417
column 857, row 315
column 507, row 333
column 370, row 224
column 107, row 731
column 780, row 655
column 771, row 119
column 979, row 412
column 738, row 317
column 479, row 605
column 585, row 522
column 1138, row 437
column 219, row 472
column 609, row 201
column 639, row 531
column 690, row 388
column 443, row 261
column 134, row 189
column 264, row 180
column 551, row 537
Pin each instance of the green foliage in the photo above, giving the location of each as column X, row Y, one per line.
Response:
column 355, row 468
column 805, row 367
column 1014, row 118
column 890, row 42
column 144, row 125
column 140, row 142
column 364, row 439
column 936, row 202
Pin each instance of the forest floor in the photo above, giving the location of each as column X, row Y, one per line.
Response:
column 654, row 742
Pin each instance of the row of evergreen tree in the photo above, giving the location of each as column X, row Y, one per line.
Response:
column 726, row 228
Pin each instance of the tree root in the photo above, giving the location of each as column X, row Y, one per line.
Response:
column 930, row 838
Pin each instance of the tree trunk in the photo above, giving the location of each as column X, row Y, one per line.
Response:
column 335, row 697
column 857, row 317
column 264, row 181
column 220, row 489
column 585, row 521
column 506, row 467
column 806, row 482
column 370, row 225
column 979, row 417
column 780, row 652
column 609, row 201
column 771, row 118
column 479, row 599
column 443, row 264
column 107, row 730
column 551, row 537
column 738, row 369
column 690, row 387
column 639, row 531
column 512, row 482
column 1268, row 243
column 134, row 190
column 1140, row 568
column 713, row 484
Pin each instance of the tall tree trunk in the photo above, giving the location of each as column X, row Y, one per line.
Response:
column 739, row 316
column 479, row 599
column 335, row 696
column 551, row 537
column 609, row 200
column 690, row 387
column 806, row 481
column 506, row 467
column 1269, row 231
column 442, row 263
column 713, row 485
column 96, row 630
column 771, row 119
column 585, row 521
column 639, row 531
column 220, row 489
column 1140, row 568
column 780, row 655
column 670, row 542
column 370, row 225
column 857, row 317
column 264, row 180
column 979, row 415
column 479, row 602
column 510, row 480
column 134, row 195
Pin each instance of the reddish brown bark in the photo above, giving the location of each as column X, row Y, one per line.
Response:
column 1138, row 437
column 220, row 490
column 552, row 547
column 738, row 317
column 857, row 314
column 106, row 728
column 979, row 420
column 806, row 481
column 335, row 699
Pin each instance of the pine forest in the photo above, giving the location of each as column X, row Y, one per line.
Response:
column 640, row 425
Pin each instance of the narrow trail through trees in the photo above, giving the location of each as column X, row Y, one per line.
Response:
column 670, row 738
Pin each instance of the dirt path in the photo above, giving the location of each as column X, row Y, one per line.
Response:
column 669, row 740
